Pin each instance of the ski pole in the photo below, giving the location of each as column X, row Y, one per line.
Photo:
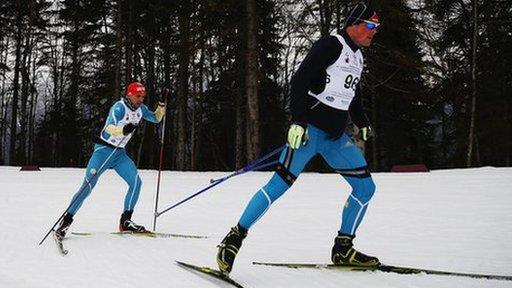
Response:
column 252, row 164
column 162, row 139
column 217, row 182
column 80, row 192
column 248, row 169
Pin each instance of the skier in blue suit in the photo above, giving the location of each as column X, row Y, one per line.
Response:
column 109, row 153
column 324, row 93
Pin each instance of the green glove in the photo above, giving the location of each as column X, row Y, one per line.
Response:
column 297, row 135
column 365, row 133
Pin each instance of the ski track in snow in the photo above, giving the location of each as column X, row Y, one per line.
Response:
column 455, row 220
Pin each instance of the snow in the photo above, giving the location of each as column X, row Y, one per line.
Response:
column 457, row 220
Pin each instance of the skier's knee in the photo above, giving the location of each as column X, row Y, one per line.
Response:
column 368, row 189
column 365, row 190
column 133, row 182
column 275, row 188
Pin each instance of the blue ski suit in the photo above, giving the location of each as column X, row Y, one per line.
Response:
column 109, row 153
column 324, row 93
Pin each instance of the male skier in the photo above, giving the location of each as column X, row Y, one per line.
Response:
column 324, row 92
column 123, row 118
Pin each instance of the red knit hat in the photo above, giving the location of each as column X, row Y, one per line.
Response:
column 136, row 88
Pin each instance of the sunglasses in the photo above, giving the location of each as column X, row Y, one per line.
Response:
column 370, row 25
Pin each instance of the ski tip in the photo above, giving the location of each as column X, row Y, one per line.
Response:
column 188, row 265
column 209, row 271
column 180, row 263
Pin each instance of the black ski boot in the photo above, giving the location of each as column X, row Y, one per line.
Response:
column 229, row 247
column 60, row 233
column 126, row 224
column 343, row 253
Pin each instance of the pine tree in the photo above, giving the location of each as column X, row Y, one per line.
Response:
column 394, row 85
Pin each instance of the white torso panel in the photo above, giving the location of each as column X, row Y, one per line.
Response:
column 342, row 78
column 129, row 116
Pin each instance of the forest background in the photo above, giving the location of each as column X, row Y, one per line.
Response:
column 437, row 84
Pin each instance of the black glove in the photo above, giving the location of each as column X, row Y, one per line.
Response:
column 128, row 128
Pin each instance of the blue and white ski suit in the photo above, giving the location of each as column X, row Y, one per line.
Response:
column 106, row 156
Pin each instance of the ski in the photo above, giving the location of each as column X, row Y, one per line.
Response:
column 210, row 272
column 143, row 234
column 385, row 268
column 60, row 246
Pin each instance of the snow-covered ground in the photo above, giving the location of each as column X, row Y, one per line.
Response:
column 456, row 220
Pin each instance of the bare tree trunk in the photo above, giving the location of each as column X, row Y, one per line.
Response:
column 251, row 83
column 59, row 96
column 57, row 79
column 193, row 132
column 183, row 77
column 239, row 131
column 129, row 45
column 24, row 99
column 508, row 131
column 375, row 140
column 25, row 83
column 3, row 108
column 119, row 51
column 472, row 136
column 16, row 87
column 196, row 109
column 240, row 138
column 75, row 65
column 167, row 84
column 69, row 142
column 149, row 129
column 32, row 113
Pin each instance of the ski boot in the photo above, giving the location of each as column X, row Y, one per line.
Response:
column 60, row 233
column 343, row 253
column 127, row 225
column 229, row 247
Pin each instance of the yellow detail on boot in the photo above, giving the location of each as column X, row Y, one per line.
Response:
column 353, row 261
column 352, row 256
column 232, row 249
column 223, row 265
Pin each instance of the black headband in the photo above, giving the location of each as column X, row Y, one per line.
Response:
column 362, row 11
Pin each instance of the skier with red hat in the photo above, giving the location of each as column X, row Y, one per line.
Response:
column 324, row 94
column 109, row 153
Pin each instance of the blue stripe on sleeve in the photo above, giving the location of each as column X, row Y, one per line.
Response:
column 147, row 114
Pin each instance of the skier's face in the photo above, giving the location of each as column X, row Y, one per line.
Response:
column 137, row 99
column 363, row 35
